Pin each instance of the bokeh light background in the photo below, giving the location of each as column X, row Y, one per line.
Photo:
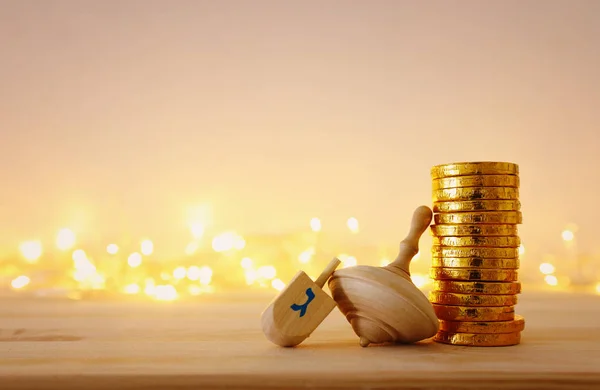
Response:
column 177, row 149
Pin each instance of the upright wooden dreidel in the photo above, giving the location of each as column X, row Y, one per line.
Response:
column 296, row 312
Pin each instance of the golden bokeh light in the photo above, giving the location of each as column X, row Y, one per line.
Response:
column 197, row 230
column 266, row 272
column 165, row 293
column 149, row 286
column 250, row 275
column 305, row 256
column 147, row 247
column 191, row 248
column 194, row 290
column 568, row 235
column 227, row 241
column 112, row 249
column 278, row 284
column 20, row 282
column 551, row 280
column 420, row 280
column 85, row 272
column 79, row 256
column 134, row 260
column 132, row 289
column 547, row 268
column 239, row 243
column 65, row 239
column 179, row 273
column 315, row 224
column 352, row 224
column 246, row 263
column 31, row 250
column 193, row 273
column 205, row 275
column 347, row 260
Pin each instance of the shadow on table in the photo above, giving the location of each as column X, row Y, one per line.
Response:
column 343, row 344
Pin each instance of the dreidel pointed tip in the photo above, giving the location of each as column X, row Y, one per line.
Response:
column 298, row 309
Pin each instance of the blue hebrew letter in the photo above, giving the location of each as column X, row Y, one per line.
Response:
column 302, row 308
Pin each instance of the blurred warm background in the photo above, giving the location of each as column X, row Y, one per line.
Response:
column 182, row 149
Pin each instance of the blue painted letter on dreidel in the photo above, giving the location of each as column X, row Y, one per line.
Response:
column 302, row 308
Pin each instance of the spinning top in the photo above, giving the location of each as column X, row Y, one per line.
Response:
column 295, row 313
column 381, row 303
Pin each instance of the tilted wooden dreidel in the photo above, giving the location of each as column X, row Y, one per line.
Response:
column 381, row 303
column 297, row 311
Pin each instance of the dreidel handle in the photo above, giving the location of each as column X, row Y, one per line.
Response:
column 409, row 247
column 327, row 272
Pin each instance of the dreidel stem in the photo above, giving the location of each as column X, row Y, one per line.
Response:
column 327, row 272
column 409, row 247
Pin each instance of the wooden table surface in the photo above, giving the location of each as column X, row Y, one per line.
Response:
column 54, row 344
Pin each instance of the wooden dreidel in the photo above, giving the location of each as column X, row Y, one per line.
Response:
column 297, row 311
column 381, row 303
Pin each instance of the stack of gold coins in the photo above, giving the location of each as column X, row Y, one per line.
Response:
column 475, row 253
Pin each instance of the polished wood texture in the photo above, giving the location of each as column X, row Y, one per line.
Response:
column 217, row 342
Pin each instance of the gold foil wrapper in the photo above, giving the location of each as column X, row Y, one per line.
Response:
column 476, row 205
column 475, row 253
column 481, row 217
column 453, row 299
column 493, row 327
column 466, row 313
column 475, row 193
column 474, row 168
column 478, row 339
column 484, row 252
column 474, row 230
column 491, row 275
column 485, row 288
column 474, row 262
column 478, row 241
column 476, row 181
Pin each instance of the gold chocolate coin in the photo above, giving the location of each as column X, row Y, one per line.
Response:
column 492, row 275
column 474, row 168
column 466, row 313
column 493, row 327
column 474, row 262
column 474, row 230
column 480, row 217
column 476, row 181
column 475, row 193
column 453, row 299
column 478, row 241
column 476, row 205
column 485, row 288
column 502, row 253
column 478, row 339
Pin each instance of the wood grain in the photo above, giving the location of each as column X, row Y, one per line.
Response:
column 219, row 344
